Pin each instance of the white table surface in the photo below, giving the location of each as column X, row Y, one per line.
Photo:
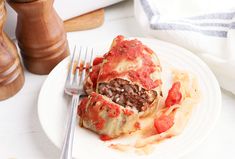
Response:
column 21, row 136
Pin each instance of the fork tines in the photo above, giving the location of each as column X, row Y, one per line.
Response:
column 80, row 65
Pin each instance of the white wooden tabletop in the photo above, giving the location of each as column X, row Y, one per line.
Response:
column 21, row 136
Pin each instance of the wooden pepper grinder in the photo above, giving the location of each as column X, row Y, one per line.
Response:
column 11, row 71
column 40, row 33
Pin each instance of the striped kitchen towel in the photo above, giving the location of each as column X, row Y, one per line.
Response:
column 206, row 27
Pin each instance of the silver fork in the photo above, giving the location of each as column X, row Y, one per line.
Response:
column 74, row 88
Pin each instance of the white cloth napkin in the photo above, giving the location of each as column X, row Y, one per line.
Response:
column 206, row 27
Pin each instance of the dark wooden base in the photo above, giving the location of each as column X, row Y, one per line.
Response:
column 12, row 83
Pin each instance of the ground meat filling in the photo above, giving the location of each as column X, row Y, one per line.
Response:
column 126, row 94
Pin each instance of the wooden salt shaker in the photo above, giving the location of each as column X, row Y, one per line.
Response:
column 40, row 34
column 11, row 72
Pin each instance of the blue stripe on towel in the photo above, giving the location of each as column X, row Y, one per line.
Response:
column 222, row 16
column 232, row 25
column 154, row 15
column 205, row 24
column 148, row 10
column 182, row 27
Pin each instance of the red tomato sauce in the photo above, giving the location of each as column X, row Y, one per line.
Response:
column 94, row 75
column 174, row 95
column 105, row 137
column 129, row 50
column 96, row 105
column 128, row 112
column 93, row 110
column 97, row 61
column 163, row 123
column 137, row 125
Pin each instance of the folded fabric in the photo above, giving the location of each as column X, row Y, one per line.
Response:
column 205, row 27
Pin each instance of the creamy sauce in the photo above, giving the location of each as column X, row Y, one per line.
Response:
column 147, row 136
column 121, row 147
column 129, row 148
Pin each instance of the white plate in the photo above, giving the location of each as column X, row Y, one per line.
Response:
column 53, row 108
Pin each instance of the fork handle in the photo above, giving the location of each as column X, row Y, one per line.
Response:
column 69, row 135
